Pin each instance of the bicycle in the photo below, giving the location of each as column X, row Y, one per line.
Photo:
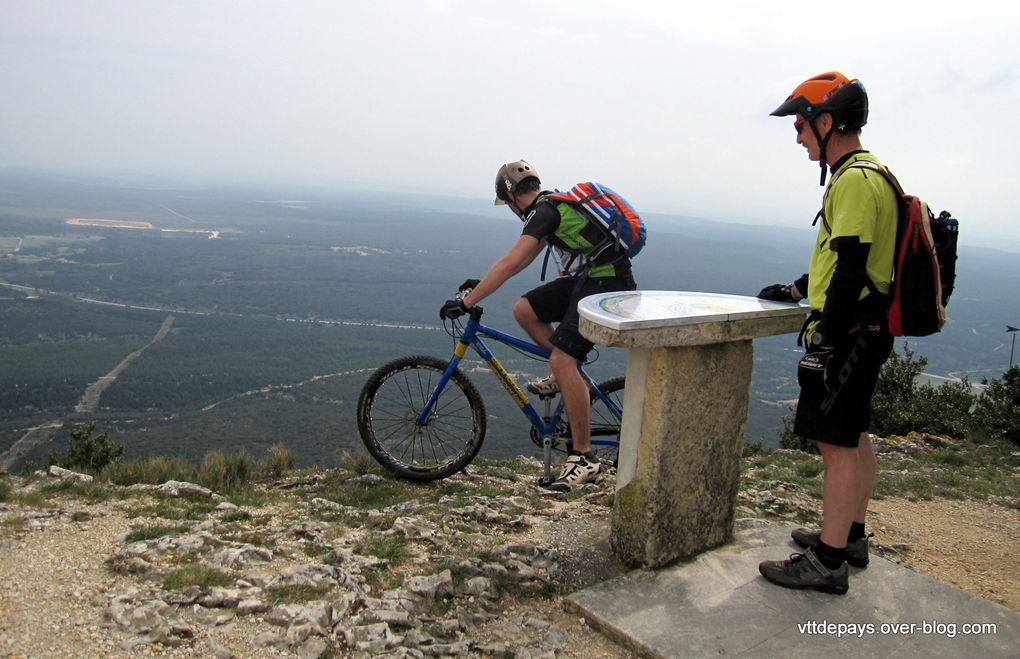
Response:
column 423, row 419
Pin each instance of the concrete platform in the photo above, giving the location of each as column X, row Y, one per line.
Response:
column 718, row 605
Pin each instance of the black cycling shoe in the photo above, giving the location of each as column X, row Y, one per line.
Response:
column 806, row 571
column 856, row 551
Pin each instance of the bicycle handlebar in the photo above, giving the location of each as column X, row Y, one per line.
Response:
column 475, row 312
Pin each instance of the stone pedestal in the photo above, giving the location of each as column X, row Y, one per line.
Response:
column 688, row 383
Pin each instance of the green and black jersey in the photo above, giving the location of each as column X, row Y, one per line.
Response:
column 572, row 234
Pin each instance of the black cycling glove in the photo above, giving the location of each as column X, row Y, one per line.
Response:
column 452, row 309
column 777, row 293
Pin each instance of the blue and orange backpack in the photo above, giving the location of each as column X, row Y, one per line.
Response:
column 624, row 228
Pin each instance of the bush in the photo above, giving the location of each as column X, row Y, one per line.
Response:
column 787, row 439
column 5, row 490
column 224, row 472
column 277, row 462
column 900, row 405
column 153, row 471
column 202, row 576
column 998, row 409
column 87, row 452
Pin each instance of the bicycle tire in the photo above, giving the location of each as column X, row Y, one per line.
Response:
column 604, row 423
column 390, row 402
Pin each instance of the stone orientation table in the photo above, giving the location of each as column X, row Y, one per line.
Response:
column 689, row 359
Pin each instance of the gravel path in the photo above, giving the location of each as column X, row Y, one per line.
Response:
column 969, row 544
column 52, row 580
column 55, row 585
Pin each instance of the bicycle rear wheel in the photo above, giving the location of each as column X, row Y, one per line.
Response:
column 605, row 422
column 388, row 409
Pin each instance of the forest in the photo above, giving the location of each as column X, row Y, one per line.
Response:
column 278, row 321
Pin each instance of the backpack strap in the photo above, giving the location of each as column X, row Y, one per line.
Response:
column 588, row 259
column 898, row 189
column 545, row 261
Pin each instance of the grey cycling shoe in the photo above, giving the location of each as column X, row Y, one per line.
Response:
column 856, row 551
column 547, row 386
column 806, row 571
column 577, row 469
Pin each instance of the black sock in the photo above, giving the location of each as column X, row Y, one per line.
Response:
column 856, row 532
column 830, row 557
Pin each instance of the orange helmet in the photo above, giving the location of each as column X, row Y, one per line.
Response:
column 845, row 98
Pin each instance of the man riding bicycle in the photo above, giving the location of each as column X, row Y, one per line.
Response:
column 574, row 237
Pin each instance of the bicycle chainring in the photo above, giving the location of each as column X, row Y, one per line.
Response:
column 559, row 439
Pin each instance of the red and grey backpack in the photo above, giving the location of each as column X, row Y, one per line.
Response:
column 924, row 263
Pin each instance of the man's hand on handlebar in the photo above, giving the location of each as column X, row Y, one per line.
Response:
column 452, row 309
column 468, row 285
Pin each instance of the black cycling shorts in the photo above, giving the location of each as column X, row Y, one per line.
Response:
column 556, row 302
column 835, row 400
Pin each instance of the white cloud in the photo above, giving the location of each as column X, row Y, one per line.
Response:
column 667, row 101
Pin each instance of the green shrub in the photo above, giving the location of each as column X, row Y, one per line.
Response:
column 373, row 495
column 88, row 452
column 153, row 471
column 5, row 490
column 787, row 439
column 360, row 463
column 196, row 575
column 998, row 409
column 901, row 405
column 392, row 548
column 153, row 532
column 224, row 472
column 278, row 461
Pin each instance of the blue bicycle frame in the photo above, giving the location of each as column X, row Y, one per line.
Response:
column 472, row 336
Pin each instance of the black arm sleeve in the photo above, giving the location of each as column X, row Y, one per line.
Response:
column 802, row 283
column 843, row 295
column 541, row 221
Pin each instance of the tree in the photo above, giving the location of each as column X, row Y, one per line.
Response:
column 86, row 452
column 900, row 405
column 998, row 409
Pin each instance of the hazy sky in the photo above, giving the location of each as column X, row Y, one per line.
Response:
column 667, row 101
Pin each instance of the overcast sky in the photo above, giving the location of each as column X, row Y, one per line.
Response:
column 666, row 101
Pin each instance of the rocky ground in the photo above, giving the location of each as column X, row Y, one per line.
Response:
column 345, row 564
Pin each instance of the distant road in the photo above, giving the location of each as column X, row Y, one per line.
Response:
column 34, row 437
column 89, row 402
column 318, row 321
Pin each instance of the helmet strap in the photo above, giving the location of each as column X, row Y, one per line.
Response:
column 822, row 143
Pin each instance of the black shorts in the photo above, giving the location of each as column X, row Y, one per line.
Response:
column 556, row 302
column 835, row 401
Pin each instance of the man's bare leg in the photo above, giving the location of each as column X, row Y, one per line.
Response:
column 841, row 492
column 575, row 398
column 868, row 467
column 539, row 331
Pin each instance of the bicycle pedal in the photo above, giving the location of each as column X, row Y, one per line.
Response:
column 545, row 481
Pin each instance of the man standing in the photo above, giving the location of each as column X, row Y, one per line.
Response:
column 847, row 334
column 576, row 239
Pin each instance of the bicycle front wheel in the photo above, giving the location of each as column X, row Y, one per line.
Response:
column 388, row 410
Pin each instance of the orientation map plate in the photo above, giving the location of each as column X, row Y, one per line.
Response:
column 653, row 309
